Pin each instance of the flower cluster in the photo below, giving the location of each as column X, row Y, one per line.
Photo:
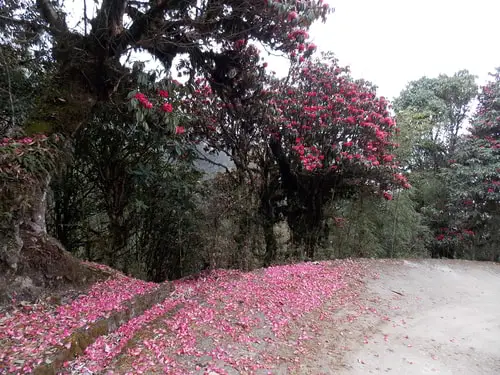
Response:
column 387, row 196
column 164, row 106
column 143, row 100
column 402, row 180
column 311, row 157
column 492, row 186
column 297, row 17
column 332, row 123
column 448, row 234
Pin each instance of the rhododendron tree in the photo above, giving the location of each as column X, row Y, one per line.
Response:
column 209, row 38
column 332, row 137
column 235, row 122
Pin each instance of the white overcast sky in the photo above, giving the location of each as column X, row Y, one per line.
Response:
column 391, row 42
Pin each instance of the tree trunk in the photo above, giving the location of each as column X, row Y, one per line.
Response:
column 119, row 237
column 11, row 244
column 310, row 248
column 30, row 220
column 241, row 254
column 35, row 220
column 271, row 243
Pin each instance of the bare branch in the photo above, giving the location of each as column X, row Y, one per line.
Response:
column 139, row 27
column 58, row 24
column 85, row 16
column 110, row 17
column 203, row 157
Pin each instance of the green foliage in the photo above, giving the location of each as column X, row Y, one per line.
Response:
column 418, row 149
column 445, row 102
column 168, row 234
column 355, row 231
column 128, row 197
column 404, row 233
column 25, row 66
column 21, row 79
column 473, row 177
column 369, row 227
column 448, row 170
column 233, row 227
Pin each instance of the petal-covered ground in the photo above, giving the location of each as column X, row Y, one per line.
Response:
column 222, row 322
column 29, row 333
column 226, row 322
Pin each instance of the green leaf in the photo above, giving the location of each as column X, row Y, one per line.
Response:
column 131, row 94
column 139, row 116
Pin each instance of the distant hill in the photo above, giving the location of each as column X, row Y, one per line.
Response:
column 211, row 164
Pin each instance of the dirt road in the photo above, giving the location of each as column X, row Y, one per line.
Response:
column 418, row 317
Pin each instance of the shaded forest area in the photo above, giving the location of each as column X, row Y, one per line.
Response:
column 100, row 157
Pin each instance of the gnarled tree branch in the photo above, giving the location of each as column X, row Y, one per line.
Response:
column 139, row 27
column 57, row 23
column 110, row 17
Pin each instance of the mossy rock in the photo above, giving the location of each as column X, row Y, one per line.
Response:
column 38, row 126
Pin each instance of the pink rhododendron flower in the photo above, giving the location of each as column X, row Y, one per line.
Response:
column 167, row 107
column 292, row 16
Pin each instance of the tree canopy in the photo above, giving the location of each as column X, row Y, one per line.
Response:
column 445, row 101
column 202, row 33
